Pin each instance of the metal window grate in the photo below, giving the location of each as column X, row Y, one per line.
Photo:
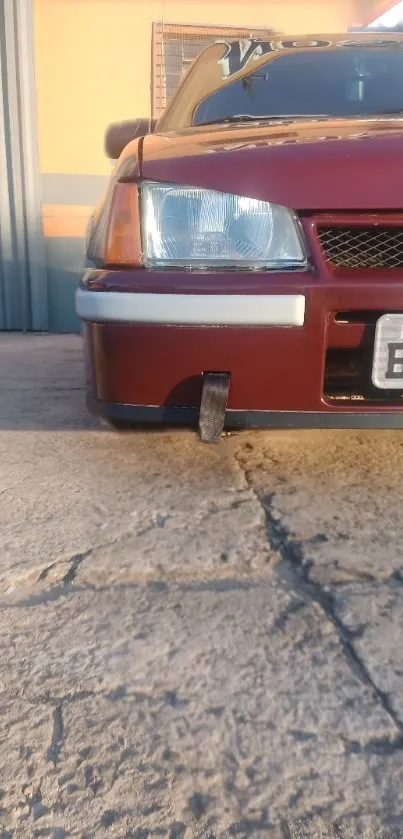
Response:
column 363, row 247
column 175, row 46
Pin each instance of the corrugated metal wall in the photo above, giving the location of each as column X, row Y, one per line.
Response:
column 23, row 282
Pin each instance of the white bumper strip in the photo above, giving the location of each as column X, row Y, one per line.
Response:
column 198, row 309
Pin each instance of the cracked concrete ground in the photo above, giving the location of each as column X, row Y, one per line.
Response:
column 195, row 641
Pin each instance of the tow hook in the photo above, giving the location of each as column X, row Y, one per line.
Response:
column 213, row 406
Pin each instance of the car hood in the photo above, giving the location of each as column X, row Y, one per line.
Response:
column 307, row 165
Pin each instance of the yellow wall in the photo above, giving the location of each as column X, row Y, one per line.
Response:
column 93, row 62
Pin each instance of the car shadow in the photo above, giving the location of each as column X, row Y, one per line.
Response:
column 42, row 386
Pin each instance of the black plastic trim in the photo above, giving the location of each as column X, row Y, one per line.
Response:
column 170, row 415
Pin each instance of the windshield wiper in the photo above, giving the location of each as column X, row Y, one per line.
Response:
column 263, row 118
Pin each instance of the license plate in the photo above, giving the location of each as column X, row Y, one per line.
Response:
column 387, row 368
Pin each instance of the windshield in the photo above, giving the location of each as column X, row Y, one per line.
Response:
column 342, row 83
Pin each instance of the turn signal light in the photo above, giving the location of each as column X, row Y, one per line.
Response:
column 123, row 241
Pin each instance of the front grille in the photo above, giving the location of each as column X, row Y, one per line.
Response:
column 361, row 247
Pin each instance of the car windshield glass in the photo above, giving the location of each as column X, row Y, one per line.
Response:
column 342, row 83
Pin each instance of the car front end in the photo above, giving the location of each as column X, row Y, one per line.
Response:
column 262, row 259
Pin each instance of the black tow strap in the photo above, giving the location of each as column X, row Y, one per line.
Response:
column 213, row 406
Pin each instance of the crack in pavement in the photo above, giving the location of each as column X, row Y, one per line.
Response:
column 223, row 582
column 51, row 595
column 293, row 559
column 57, row 741
column 47, row 699
column 113, row 694
column 219, row 582
column 75, row 563
column 77, row 559
column 376, row 746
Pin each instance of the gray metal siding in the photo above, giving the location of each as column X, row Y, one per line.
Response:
column 23, row 279
column 65, row 256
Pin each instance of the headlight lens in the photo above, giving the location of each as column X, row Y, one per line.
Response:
column 199, row 228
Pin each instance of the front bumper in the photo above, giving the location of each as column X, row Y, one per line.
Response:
column 170, row 415
column 273, row 334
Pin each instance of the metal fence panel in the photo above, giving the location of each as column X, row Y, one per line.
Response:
column 175, row 46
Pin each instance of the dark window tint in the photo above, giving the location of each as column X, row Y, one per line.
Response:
column 345, row 82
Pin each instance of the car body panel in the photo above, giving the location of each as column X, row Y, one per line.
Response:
column 341, row 173
column 272, row 368
column 307, row 166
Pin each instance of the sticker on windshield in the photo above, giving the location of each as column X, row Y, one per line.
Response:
column 240, row 53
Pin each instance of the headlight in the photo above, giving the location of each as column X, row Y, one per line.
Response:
column 200, row 228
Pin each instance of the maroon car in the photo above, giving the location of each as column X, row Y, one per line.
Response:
column 247, row 259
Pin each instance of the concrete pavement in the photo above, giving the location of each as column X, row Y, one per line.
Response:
column 194, row 641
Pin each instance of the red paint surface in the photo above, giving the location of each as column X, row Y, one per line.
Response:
column 352, row 170
column 327, row 165
column 272, row 368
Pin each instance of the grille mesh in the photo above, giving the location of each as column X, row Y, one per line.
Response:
column 363, row 247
